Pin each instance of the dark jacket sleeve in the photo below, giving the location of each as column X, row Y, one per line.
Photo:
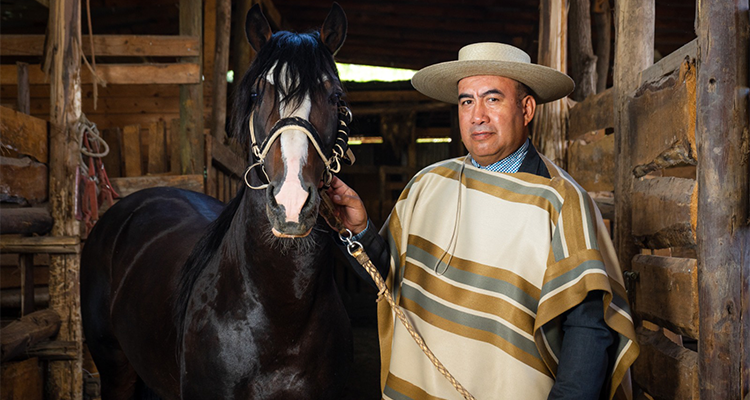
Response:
column 376, row 248
column 582, row 368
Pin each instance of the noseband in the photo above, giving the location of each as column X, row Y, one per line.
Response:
column 332, row 160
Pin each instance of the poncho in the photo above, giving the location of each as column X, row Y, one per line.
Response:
column 484, row 264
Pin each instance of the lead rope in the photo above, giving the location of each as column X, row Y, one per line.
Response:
column 355, row 250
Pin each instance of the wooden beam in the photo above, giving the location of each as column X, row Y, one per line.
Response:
column 26, row 266
column 594, row 113
column 26, row 221
column 228, row 161
column 26, row 331
column 118, row 74
column 22, row 79
column 602, row 47
column 670, row 63
column 24, row 134
column 634, row 52
column 550, row 122
column 40, row 244
column 65, row 378
column 592, row 164
column 157, row 148
column 665, row 212
column 666, row 292
column 191, row 96
column 582, row 58
column 220, row 67
column 374, row 96
column 665, row 370
column 723, row 234
column 131, row 150
column 109, row 45
column 126, row 186
column 662, row 115
column 23, row 180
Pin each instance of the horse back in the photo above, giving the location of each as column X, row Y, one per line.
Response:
column 130, row 269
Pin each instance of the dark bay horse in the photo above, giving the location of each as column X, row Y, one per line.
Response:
column 183, row 297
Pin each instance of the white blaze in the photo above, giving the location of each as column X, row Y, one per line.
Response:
column 293, row 143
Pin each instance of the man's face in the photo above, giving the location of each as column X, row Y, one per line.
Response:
column 491, row 118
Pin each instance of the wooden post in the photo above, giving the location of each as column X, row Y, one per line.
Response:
column 191, row 97
column 242, row 53
column 582, row 58
column 603, row 26
column 23, row 96
column 634, row 52
column 65, row 380
column 551, row 122
column 221, row 63
column 723, row 234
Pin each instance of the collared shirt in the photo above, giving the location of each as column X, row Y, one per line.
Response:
column 509, row 164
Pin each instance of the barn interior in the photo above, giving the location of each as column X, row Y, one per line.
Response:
column 157, row 81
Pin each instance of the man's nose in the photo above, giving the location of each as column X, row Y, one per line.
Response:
column 479, row 114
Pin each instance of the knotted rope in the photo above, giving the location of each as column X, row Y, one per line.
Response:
column 355, row 250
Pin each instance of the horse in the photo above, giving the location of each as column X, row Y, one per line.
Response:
column 183, row 297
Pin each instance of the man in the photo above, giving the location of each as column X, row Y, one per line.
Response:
column 499, row 258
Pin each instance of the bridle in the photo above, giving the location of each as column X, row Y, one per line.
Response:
column 332, row 160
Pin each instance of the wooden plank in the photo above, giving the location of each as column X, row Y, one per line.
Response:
column 671, row 62
column 113, row 161
column 117, row 105
column 227, row 160
column 664, row 369
column 594, row 113
column 40, row 244
column 634, row 52
column 118, row 74
column 131, row 150
column 23, row 134
column 10, row 276
column 126, row 186
column 723, row 200
column 663, row 116
column 592, row 164
column 53, row 350
column 109, row 45
column 665, row 212
column 22, row 380
column 26, row 331
column 26, row 220
column 157, row 146
column 666, row 292
column 23, row 180
column 582, row 58
column 26, row 266
column 210, row 181
column 23, row 98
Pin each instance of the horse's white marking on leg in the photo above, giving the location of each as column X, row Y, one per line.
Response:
column 292, row 195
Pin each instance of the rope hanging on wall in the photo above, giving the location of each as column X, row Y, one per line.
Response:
column 94, row 187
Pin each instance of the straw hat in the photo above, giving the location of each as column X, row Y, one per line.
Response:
column 440, row 81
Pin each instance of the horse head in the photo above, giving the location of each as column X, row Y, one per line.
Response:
column 289, row 103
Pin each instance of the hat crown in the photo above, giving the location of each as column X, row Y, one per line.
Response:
column 493, row 52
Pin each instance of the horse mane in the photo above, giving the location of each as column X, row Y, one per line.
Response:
column 199, row 258
column 305, row 58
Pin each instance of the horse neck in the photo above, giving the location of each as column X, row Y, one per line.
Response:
column 298, row 273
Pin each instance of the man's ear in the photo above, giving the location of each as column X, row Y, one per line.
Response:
column 529, row 108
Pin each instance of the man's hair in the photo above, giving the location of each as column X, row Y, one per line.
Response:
column 521, row 92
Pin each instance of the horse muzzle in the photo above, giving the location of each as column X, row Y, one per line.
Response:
column 290, row 224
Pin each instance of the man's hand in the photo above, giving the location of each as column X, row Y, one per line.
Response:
column 349, row 207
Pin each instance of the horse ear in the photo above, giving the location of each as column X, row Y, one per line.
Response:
column 257, row 30
column 333, row 32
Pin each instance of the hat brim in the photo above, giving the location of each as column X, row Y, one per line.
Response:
column 440, row 81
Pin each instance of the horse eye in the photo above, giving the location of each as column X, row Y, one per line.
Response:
column 253, row 96
column 335, row 97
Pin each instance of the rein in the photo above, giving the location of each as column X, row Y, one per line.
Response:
column 332, row 161
column 356, row 250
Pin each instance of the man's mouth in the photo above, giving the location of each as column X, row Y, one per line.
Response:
column 481, row 135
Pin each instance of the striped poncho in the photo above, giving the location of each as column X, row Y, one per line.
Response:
column 484, row 269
